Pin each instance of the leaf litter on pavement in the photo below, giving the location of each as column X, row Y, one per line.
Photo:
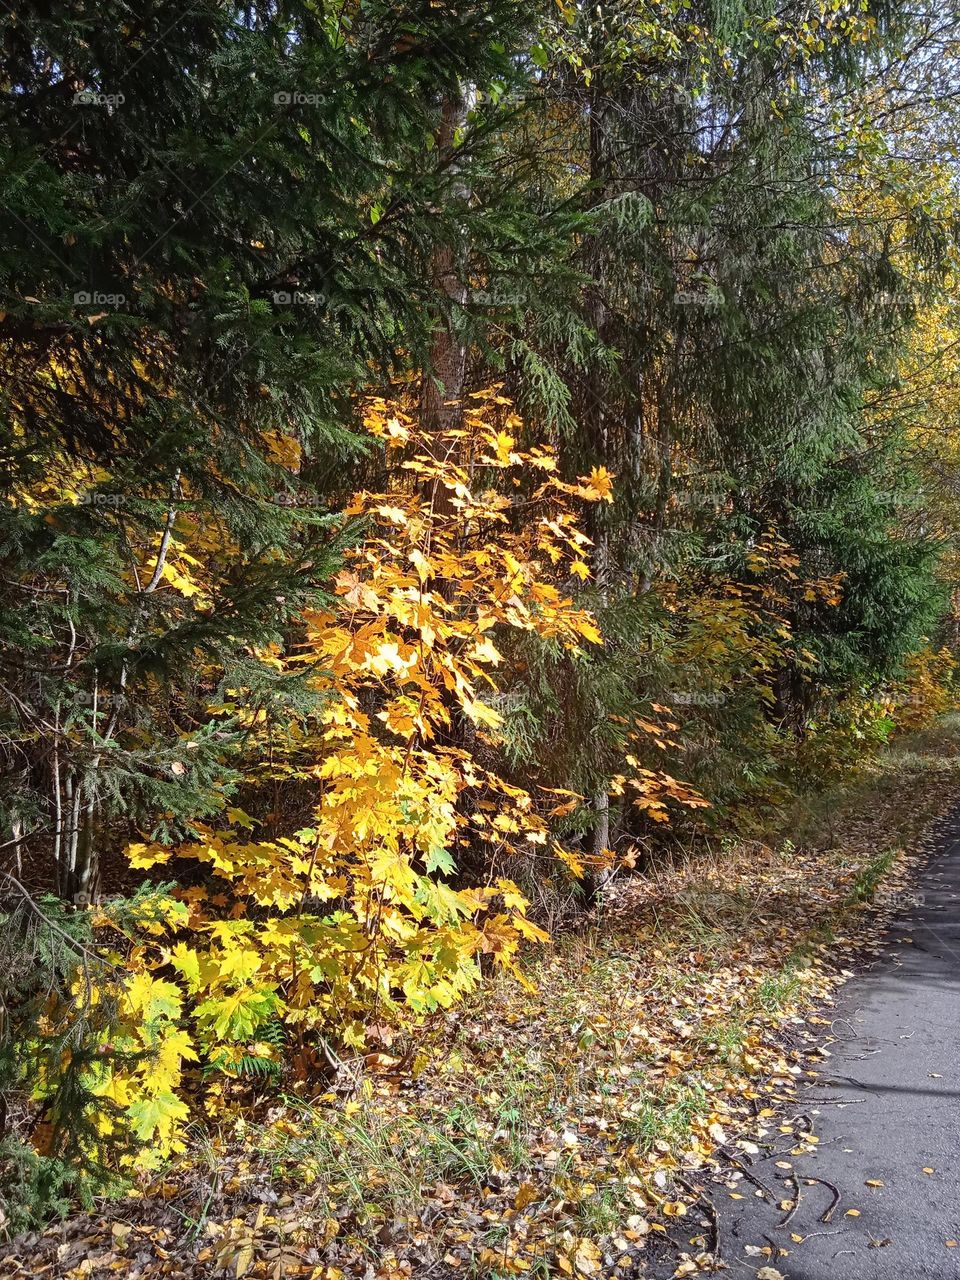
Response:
column 554, row 1131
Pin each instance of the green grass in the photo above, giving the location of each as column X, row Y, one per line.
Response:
column 664, row 1118
column 724, row 1040
column 778, row 991
column 870, row 876
column 404, row 1154
column 604, row 1212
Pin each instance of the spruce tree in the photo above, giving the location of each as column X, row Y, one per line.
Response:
column 217, row 225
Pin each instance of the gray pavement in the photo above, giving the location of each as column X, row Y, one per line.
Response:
column 887, row 1107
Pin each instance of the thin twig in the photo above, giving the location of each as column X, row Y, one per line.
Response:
column 706, row 1203
column 825, row 1217
column 746, row 1172
column 74, row 943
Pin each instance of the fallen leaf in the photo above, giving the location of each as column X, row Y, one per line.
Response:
column 526, row 1194
column 587, row 1258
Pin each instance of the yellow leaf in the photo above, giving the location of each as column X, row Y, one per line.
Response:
column 153, row 997
column 186, row 962
column 527, row 1193
column 144, row 856
column 587, row 1257
column 395, row 515
column 600, row 481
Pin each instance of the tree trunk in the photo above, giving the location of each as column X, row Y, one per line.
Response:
column 593, row 416
column 441, row 400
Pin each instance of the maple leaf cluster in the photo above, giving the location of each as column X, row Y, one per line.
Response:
column 364, row 914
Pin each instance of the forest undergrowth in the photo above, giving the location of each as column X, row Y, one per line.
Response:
column 468, row 470
column 553, row 1126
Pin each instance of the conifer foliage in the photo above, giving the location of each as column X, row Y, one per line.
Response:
column 448, row 449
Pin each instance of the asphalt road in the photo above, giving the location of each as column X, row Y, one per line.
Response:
column 887, row 1107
